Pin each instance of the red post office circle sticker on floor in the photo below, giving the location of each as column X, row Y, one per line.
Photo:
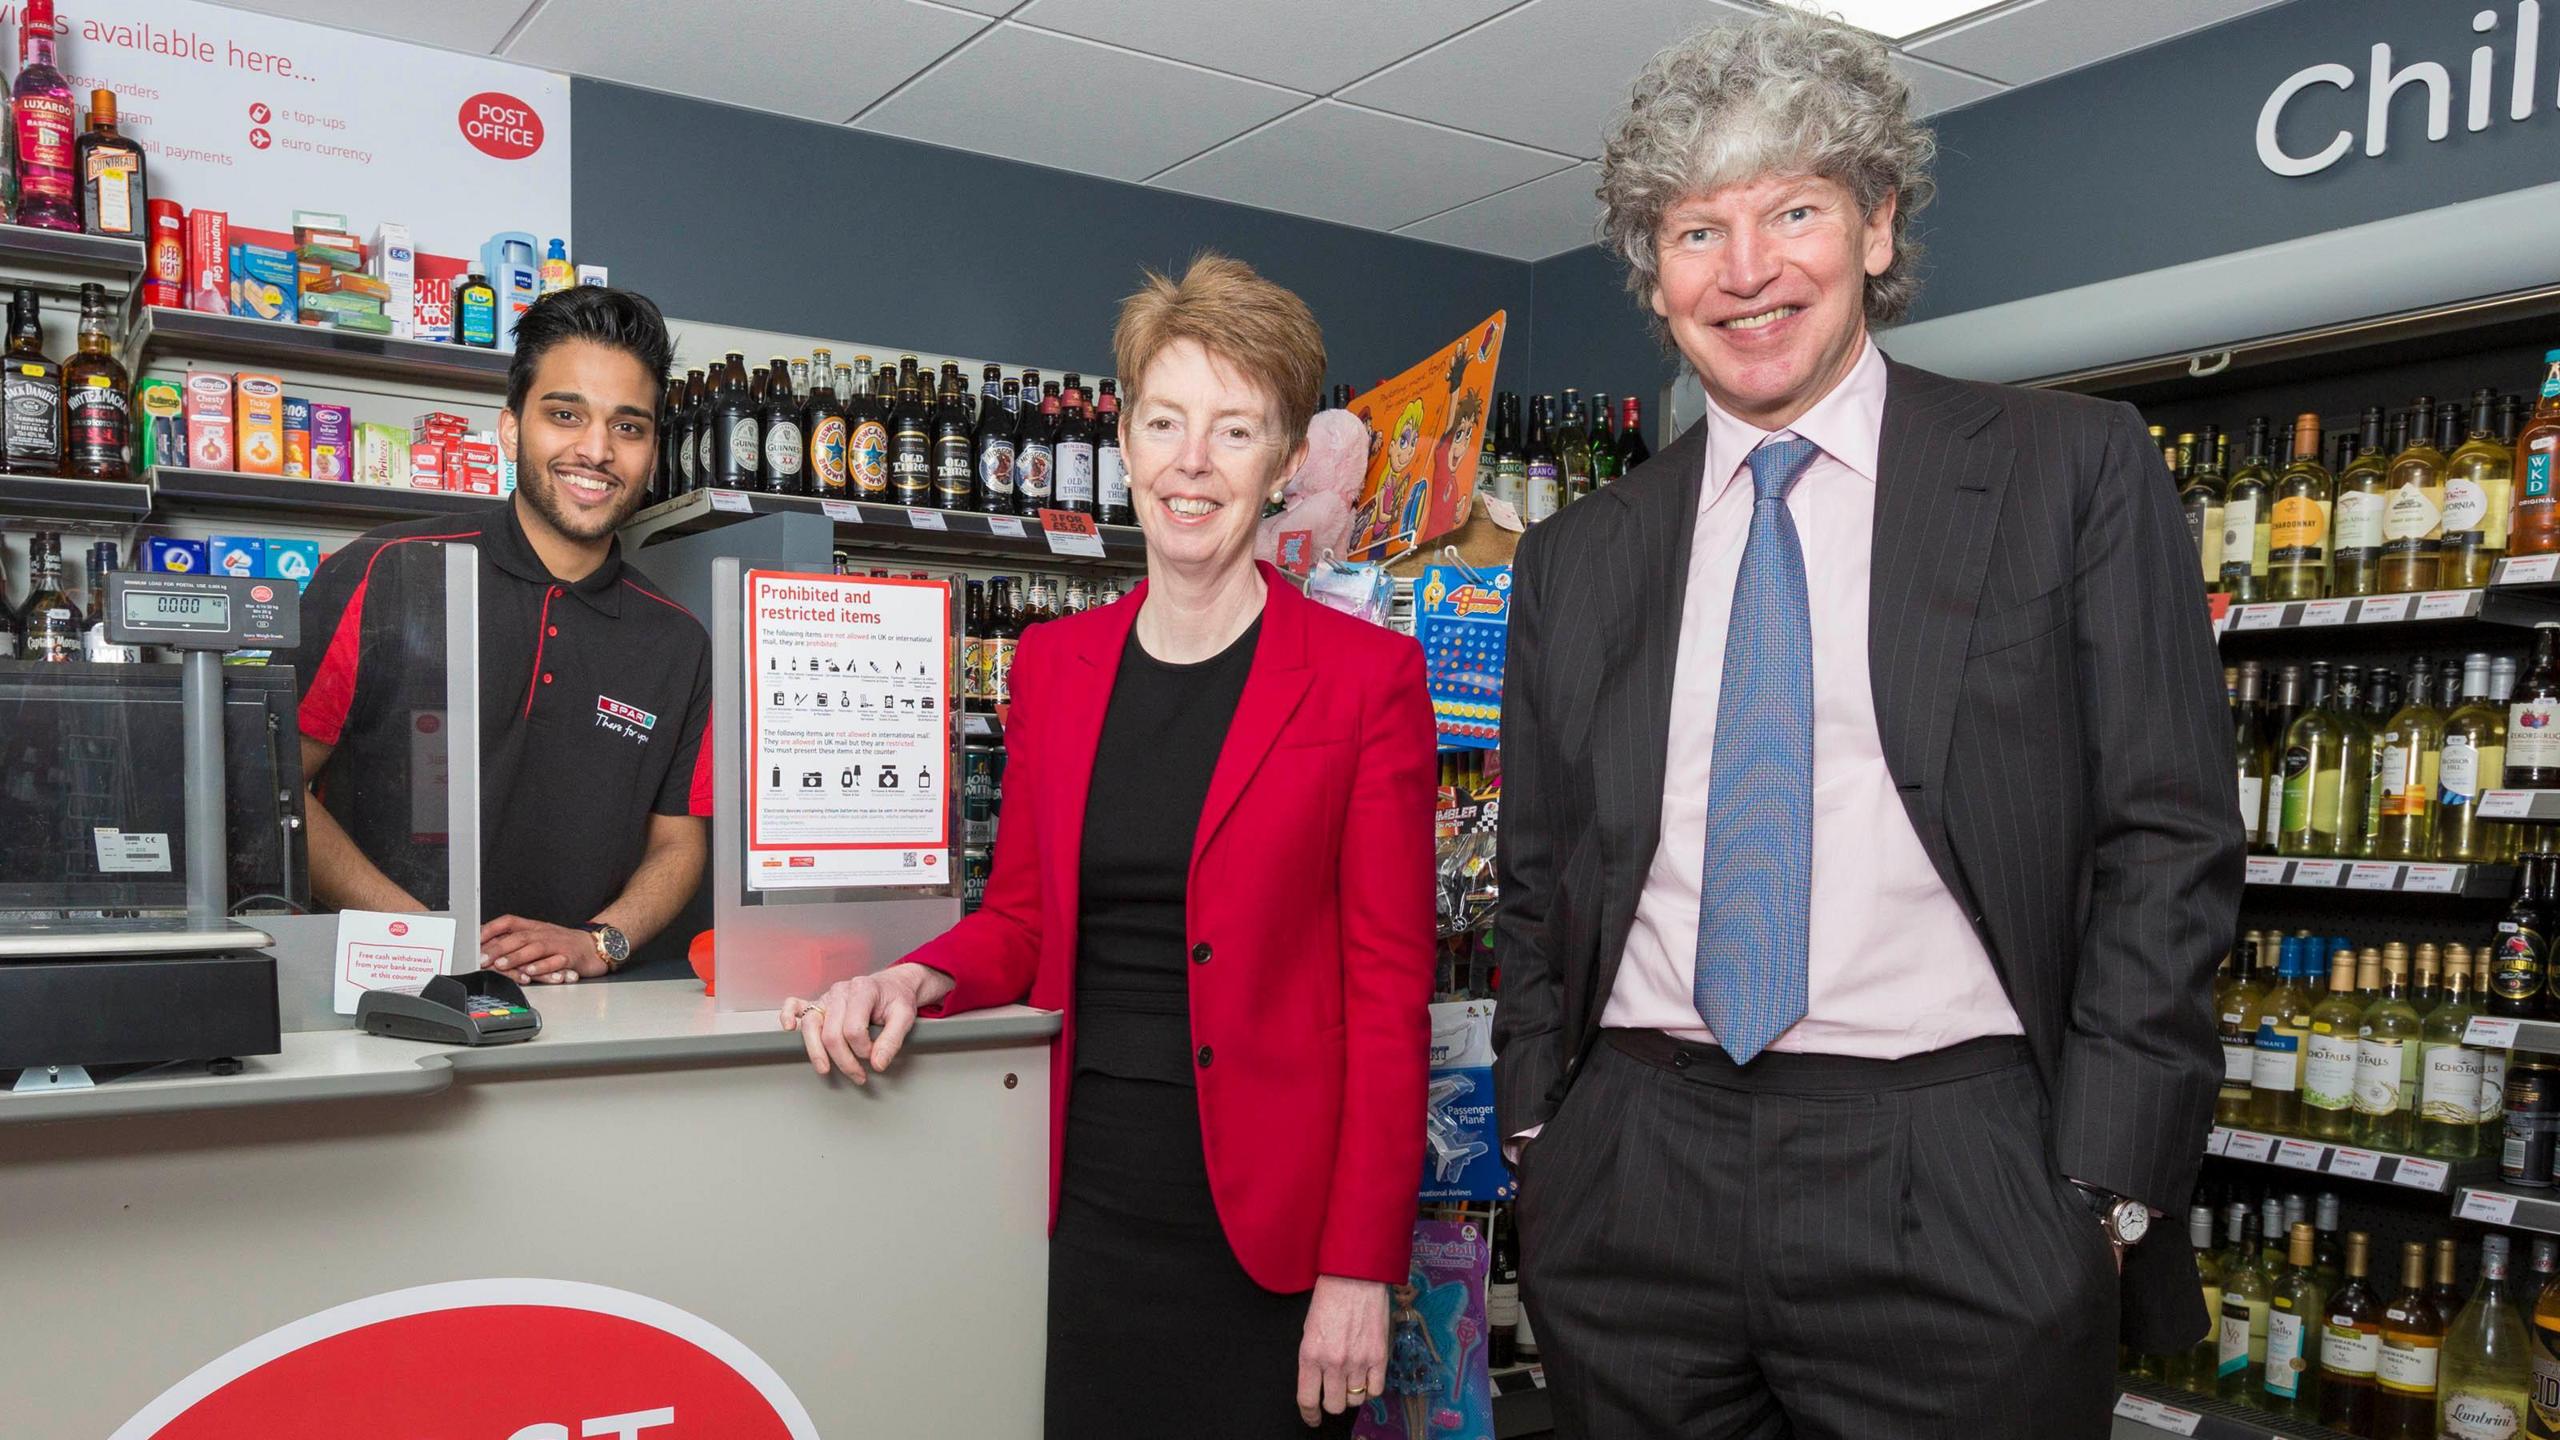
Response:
column 418, row 1362
column 500, row 126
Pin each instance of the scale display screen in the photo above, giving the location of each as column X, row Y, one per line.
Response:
column 177, row 610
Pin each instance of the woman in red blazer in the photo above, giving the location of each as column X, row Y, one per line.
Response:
column 1216, row 859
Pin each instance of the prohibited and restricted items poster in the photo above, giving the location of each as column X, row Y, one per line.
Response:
column 848, row 731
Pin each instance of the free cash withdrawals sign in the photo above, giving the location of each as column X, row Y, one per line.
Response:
column 258, row 116
column 848, row 731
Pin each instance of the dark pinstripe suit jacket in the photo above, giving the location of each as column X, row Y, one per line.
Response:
column 2051, row 708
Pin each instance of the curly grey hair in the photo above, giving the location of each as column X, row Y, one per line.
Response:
column 1790, row 93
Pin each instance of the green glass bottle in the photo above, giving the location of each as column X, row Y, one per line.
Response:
column 2449, row 1076
column 2329, row 1057
column 2387, row 1059
column 2327, row 762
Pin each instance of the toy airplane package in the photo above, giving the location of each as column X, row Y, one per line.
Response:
column 1461, row 1155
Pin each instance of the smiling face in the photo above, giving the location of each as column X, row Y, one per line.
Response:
column 586, row 441
column 1763, row 285
column 1205, row 450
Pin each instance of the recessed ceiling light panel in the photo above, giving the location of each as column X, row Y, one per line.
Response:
column 1897, row 19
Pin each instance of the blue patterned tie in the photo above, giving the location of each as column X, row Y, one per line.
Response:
column 1756, row 902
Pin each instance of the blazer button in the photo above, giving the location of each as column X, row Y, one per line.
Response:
column 1200, row 953
column 1206, row 1055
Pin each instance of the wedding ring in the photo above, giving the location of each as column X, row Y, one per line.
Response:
column 1357, row 1390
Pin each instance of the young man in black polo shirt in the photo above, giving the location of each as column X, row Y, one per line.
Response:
column 595, row 689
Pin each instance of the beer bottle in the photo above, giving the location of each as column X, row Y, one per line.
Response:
column 736, row 450
column 867, row 432
column 2533, row 716
column 785, row 453
column 1073, row 455
column 1110, row 467
column 666, row 478
column 993, row 445
column 2520, row 967
column 1004, row 628
column 1034, row 450
column 955, row 461
column 824, row 426
column 910, row 442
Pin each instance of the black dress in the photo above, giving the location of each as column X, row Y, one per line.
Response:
column 1154, row 1329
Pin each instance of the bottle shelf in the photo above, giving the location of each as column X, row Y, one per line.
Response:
column 68, row 260
column 62, row 498
column 2520, row 805
column 179, row 491
column 2348, row 1162
column 2510, row 1207
column 2405, row 877
column 2502, row 1032
column 162, row 334
column 865, row 526
column 2354, row 610
column 2152, row 1406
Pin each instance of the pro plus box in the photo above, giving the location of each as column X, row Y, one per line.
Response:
column 209, row 431
column 174, row 557
column 241, row 555
column 259, row 412
column 333, row 441
column 209, row 261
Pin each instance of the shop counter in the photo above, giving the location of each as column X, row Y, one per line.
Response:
column 654, row 1205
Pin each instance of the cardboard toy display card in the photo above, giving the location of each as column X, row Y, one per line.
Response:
column 1462, row 616
column 1461, row 1152
column 1426, row 430
column 1437, row 1385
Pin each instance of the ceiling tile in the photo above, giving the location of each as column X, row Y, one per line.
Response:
column 2040, row 39
column 819, row 59
column 1552, row 73
column 1935, row 87
column 471, row 25
column 985, row 7
column 1058, row 101
column 1527, row 222
column 1338, row 162
column 1314, row 45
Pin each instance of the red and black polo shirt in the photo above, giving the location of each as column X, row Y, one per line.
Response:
column 595, row 698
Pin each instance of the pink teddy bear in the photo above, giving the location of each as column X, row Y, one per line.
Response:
column 1318, row 499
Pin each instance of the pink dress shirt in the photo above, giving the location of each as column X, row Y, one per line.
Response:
column 1895, row 968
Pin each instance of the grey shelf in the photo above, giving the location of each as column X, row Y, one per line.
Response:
column 865, row 526
column 72, row 259
column 2499, row 1032
column 2349, row 1162
column 161, row 334
column 177, row 491
column 2509, row 1207
column 2150, row 1406
column 62, row 498
column 2543, row 805
column 2476, row 882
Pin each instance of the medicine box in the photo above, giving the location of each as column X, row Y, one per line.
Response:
column 263, row 283
column 209, row 261
column 160, row 414
column 382, row 455
column 333, row 437
column 395, row 264
column 297, row 438
column 293, row 560
column 209, row 426
column 259, row 412
column 241, row 555
column 174, row 557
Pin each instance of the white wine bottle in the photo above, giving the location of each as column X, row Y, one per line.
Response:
column 2485, row 1375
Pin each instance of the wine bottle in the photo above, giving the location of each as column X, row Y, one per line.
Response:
column 2387, row 1058
column 2412, row 1345
column 2351, row 1345
column 2289, row 1380
column 2485, row 1375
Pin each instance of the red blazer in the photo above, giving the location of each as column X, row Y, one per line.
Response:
column 1310, row 923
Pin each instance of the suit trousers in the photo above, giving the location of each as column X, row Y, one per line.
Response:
column 1812, row 1245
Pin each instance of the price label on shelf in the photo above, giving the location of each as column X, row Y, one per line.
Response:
column 1008, row 526
column 1071, row 534
column 2327, row 612
column 2506, row 804
column 2528, row 569
column 925, row 519
column 2266, row 870
column 2216, row 1140
column 2250, row 1145
column 2367, row 875
column 2300, row 1154
column 843, row 512
column 2318, row 872
column 2419, row 1174
column 2491, row 1032
column 2257, row 617
column 2151, row 1414
column 732, row 502
column 2355, row 1164
column 2447, row 604
column 2488, row 1207
column 2432, row 879
column 2380, row 608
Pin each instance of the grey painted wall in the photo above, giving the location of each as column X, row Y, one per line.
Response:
column 742, row 218
column 1592, row 334
column 2151, row 160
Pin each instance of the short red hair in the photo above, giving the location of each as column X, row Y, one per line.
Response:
column 1263, row 330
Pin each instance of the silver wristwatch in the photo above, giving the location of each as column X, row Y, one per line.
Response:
column 2125, row 1220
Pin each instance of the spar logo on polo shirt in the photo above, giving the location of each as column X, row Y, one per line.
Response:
column 628, row 721
column 402, row 1364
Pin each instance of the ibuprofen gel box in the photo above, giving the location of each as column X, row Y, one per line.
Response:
column 209, row 430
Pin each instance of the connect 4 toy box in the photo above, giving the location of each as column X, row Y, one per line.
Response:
column 1462, row 615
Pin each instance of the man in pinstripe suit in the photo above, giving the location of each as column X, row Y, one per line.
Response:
column 1868, row 838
